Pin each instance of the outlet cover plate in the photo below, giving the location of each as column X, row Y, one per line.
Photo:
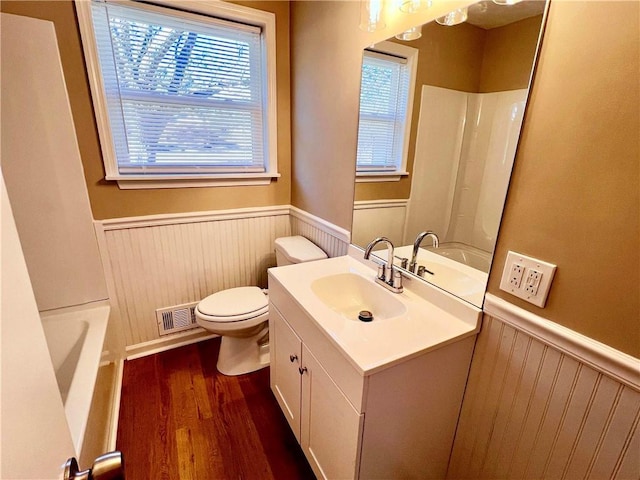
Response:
column 523, row 290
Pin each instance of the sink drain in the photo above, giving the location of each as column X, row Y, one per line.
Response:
column 365, row 316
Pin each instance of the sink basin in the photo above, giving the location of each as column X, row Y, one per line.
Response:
column 348, row 294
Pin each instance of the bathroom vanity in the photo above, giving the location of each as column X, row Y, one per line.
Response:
column 375, row 399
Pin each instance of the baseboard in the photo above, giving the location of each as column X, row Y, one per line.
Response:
column 618, row 365
column 115, row 405
column 167, row 343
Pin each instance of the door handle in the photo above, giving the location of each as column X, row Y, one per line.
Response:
column 109, row 466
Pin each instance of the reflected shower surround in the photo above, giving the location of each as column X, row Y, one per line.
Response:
column 479, row 133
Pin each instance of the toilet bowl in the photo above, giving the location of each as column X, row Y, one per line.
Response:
column 240, row 315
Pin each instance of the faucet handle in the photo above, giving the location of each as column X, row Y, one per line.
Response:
column 403, row 261
column 397, row 280
column 381, row 271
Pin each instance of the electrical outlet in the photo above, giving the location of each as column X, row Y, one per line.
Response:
column 516, row 275
column 537, row 277
column 533, row 281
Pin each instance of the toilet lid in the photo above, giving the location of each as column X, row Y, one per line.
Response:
column 235, row 302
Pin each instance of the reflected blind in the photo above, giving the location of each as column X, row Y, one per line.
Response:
column 184, row 92
column 384, row 92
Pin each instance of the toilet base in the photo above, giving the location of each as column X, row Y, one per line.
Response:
column 242, row 355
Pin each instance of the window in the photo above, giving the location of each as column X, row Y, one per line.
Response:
column 182, row 97
column 386, row 99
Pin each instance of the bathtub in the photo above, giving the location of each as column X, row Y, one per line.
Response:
column 471, row 256
column 75, row 337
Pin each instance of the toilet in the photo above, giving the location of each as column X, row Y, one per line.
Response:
column 240, row 315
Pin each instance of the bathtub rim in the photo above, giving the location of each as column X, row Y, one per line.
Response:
column 78, row 404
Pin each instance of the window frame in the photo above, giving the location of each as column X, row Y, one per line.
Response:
column 411, row 56
column 214, row 8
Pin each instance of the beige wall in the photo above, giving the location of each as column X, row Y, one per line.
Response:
column 107, row 200
column 508, row 56
column 574, row 198
column 465, row 58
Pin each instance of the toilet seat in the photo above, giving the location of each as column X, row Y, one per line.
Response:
column 233, row 305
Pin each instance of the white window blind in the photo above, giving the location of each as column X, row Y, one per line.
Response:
column 184, row 93
column 384, row 94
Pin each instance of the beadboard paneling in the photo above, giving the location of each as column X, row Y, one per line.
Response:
column 181, row 261
column 372, row 218
column 164, row 260
column 532, row 411
column 330, row 238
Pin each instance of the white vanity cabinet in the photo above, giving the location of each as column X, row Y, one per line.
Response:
column 325, row 423
column 395, row 421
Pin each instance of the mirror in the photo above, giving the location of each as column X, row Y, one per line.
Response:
column 471, row 88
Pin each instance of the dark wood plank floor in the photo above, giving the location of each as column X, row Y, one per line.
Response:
column 181, row 419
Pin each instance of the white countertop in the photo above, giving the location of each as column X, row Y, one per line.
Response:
column 433, row 318
column 462, row 280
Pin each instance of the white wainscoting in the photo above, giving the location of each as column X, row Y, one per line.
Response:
column 372, row 217
column 159, row 261
column 546, row 402
column 329, row 237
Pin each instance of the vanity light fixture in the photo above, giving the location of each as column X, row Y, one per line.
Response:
column 506, row 2
column 413, row 6
column 371, row 18
column 453, row 18
column 413, row 33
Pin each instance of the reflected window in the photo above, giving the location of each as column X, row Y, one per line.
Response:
column 386, row 97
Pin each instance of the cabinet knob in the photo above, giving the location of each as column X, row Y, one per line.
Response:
column 293, row 358
column 302, row 370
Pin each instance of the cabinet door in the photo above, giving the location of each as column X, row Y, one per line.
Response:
column 331, row 427
column 286, row 352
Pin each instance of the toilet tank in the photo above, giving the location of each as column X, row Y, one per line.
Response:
column 296, row 249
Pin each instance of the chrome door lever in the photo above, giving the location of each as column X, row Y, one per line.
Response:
column 109, row 466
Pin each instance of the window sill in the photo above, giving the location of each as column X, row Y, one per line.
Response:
column 364, row 177
column 132, row 182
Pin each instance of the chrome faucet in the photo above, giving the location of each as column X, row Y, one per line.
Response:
column 416, row 245
column 388, row 276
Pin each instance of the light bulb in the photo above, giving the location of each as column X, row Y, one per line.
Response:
column 453, row 18
column 411, row 34
column 371, row 15
column 413, row 6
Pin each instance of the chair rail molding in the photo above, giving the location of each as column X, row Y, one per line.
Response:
column 618, row 365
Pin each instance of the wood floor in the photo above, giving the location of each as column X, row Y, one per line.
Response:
column 180, row 419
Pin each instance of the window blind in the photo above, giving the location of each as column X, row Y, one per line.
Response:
column 384, row 94
column 184, row 92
